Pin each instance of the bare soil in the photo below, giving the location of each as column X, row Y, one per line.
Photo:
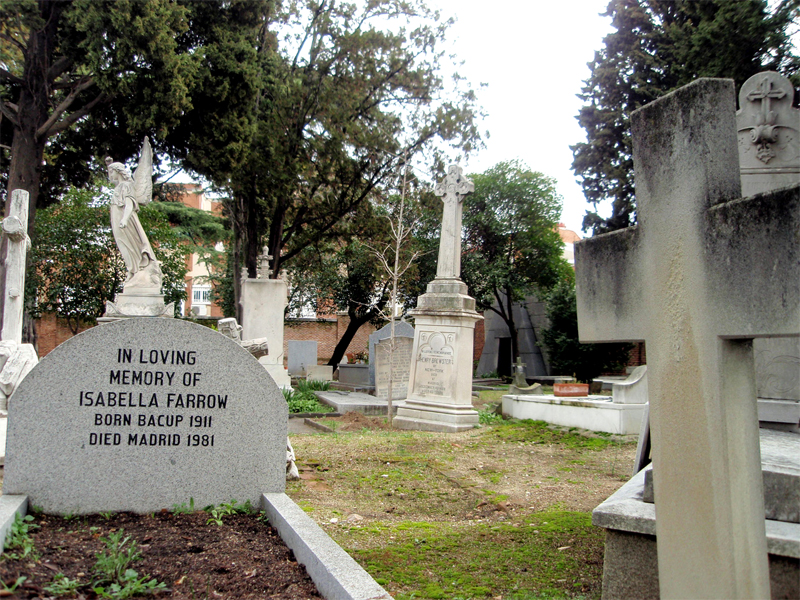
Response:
column 243, row 558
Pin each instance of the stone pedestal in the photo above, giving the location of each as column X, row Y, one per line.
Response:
column 137, row 302
column 440, row 380
column 263, row 303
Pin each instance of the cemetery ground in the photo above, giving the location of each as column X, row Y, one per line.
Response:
column 502, row 511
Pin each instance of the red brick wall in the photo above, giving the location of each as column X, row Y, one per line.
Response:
column 52, row 331
column 327, row 333
column 478, row 341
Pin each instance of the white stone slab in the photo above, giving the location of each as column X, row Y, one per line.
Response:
column 141, row 414
column 595, row 413
column 319, row 372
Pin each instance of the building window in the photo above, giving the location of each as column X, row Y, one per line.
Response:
column 201, row 294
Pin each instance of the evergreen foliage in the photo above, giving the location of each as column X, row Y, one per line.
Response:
column 75, row 267
column 511, row 246
column 567, row 355
column 658, row 46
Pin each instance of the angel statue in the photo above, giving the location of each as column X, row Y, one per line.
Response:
column 129, row 194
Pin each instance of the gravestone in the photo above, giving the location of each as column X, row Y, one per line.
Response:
column 400, row 365
column 769, row 159
column 263, row 303
column 319, row 372
column 702, row 274
column 768, row 129
column 302, row 354
column 440, row 398
column 142, row 414
column 401, row 329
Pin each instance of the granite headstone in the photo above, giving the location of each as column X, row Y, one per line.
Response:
column 141, row 414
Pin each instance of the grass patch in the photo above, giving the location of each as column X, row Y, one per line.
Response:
column 540, row 432
column 551, row 555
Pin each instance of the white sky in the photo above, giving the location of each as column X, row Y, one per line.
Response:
column 533, row 55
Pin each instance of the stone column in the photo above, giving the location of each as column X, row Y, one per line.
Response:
column 263, row 304
column 440, row 379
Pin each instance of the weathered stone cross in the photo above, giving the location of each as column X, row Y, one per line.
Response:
column 701, row 275
column 765, row 93
column 15, row 226
column 452, row 190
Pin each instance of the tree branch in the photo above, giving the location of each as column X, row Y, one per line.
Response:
column 6, row 77
column 58, row 68
column 6, row 111
column 71, row 119
column 11, row 39
column 44, row 130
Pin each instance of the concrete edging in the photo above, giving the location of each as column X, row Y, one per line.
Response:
column 10, row 507
column 336, row 574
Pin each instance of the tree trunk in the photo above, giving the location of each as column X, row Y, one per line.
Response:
column 237, row 272
column 27, row 149
column 512, row 327
column 352, row 328
column 275, row 238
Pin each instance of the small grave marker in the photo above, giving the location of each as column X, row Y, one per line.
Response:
column 401, row 359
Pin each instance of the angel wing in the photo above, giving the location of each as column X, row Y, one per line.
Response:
column 143, row 175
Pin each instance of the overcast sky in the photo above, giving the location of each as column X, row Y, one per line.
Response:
column 533, row 55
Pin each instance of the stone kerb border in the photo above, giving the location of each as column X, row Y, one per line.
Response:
column 334, row 572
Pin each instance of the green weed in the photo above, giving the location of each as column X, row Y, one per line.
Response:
column 12, row 588
column 19, row 539
column 183, row 508
column 62, row 585
column 226, row 509
column 112, row 569
column 489, row 417
column 303, row 400
column 540, row 432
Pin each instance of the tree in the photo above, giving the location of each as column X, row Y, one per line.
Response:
column 511, row 246
column 75, row 266
column 352, row 86
column 658, row 46
column 567, row 355
column 68, row 58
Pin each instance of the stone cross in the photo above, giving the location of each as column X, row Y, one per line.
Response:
column 15, row 226
column 452, row 190
column 263, row 263
column 700, row 276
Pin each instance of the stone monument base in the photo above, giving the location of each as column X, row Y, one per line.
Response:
column 440, row 378
column 423, row 415
column 143, row 302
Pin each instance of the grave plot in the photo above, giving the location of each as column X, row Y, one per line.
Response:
column 145, row 414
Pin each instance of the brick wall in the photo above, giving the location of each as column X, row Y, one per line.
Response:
column 327, row 333
column 478, row 341
column 52, row 331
